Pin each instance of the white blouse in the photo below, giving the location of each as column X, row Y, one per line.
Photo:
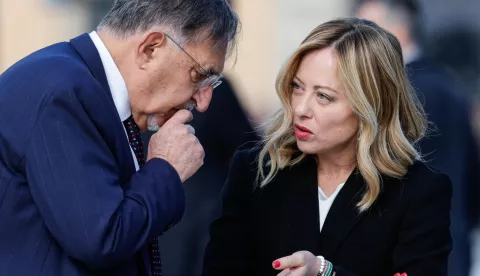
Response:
column 325, row 203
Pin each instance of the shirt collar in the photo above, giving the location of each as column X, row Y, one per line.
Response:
column 117, row 84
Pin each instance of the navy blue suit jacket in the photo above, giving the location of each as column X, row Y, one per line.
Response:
column 71, row 202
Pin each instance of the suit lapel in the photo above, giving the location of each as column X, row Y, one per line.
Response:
column 85, row 47
column 343, row 215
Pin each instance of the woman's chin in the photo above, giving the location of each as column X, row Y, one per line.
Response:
column 303, row 147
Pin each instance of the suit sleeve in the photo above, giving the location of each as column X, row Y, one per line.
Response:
column 228, row 250
column 424, row 240
column 75, row 183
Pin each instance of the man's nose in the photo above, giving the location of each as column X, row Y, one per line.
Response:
column 203, row 97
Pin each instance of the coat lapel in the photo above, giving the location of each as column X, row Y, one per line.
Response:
column 301, row 207
column 343, row 215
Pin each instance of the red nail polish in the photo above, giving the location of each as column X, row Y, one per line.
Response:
column 276, row 264
column 403, row 274
column 397, row 274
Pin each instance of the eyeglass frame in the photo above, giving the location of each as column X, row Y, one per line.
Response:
column 213, row 80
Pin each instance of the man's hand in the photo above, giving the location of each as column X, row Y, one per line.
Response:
column 176, row 143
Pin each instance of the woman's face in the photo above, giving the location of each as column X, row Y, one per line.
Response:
column 324, row 122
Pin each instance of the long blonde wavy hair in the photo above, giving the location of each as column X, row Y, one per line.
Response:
column 371, row 69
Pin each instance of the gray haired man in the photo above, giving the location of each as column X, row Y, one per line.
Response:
column 77, row 195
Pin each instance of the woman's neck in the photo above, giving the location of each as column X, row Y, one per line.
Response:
column 334, row 170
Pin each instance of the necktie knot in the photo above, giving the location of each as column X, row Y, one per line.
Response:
column 133, row 132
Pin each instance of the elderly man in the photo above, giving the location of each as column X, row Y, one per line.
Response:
column 77, row 195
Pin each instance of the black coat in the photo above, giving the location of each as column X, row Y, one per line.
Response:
column 406, row 230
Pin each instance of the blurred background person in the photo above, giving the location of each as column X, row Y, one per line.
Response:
column 450, row 146
column 221, row 130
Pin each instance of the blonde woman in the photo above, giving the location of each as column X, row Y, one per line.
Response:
column 338, row 186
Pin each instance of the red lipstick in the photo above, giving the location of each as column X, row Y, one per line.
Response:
column 302, row 133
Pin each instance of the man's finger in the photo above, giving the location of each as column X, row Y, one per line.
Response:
column 291, row 261
column 190, row 129
column 182, row 116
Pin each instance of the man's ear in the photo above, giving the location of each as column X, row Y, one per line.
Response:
column 146, row 49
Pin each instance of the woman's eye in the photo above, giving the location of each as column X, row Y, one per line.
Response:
column 295, row 85
column 323, row 96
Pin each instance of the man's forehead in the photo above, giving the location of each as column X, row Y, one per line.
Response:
column 214, row 69
column 211, row 57
column 213, row 61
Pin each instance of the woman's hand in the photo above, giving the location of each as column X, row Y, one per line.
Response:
column 302, row 263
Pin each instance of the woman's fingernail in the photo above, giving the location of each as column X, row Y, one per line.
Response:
column 276, row 264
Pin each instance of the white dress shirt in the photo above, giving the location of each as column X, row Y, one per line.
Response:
column 117, row 84
column 325, row 202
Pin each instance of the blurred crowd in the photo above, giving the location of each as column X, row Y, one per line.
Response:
column 443, row 64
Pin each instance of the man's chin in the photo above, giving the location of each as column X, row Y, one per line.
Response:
column 158, row 120
column 154, row 122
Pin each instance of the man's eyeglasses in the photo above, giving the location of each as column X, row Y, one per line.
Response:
column 212, row 80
